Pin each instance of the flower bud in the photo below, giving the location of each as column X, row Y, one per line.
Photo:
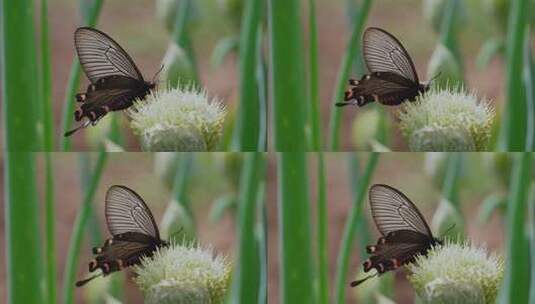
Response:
column 177, row 119
column 446, row 120
column 184, row 274
column 457, row 273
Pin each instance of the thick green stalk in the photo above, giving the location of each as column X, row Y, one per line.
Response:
column 78, row 230
column 322, row 234
column 23, row 252
column 248, row 269
column 350, row 229
column 352, row 50
column 517, row 276
column 296, row 266
column 248, row 119
column 531, row 229
column 287, row 75
column 529, row 83
column 19, row 79
column 19, row 70
column 513, row 128
column 314, row 119
column 261, row 78
column 74, row 80
column 46, row 82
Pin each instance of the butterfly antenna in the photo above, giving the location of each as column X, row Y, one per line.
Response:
column 71, row 132
column 435, row 77
column 358, row 282
column 157, row 73
column 448, row 230
column 177, row 232
column 84, row 281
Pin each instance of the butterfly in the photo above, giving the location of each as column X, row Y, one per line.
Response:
column 405, row 233
column 134, row 233
column 115, row 80
column 392, row 78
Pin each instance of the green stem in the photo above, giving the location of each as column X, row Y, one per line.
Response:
column 181, row 35
column 181, row 181
column 447, row 28
column 287, row 75
column 450, row 188
column 19, row 79
column 513, row 129
column 296, row 268
column 23, row 252
column 261, row 78
column 74, row 80
column 314, row 119
column 46, row 83
column 350, row 231
column 531, row 229
column 517, row 275
column 343, row 74
column 248, row 120
column 322, row 231
column 529, row 83
column 50, row 228
column 248, row 270
column 78, row 230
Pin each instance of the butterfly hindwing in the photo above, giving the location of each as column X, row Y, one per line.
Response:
column 396, row 249
column 383, row 87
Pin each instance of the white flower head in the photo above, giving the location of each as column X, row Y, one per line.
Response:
column 457, row 273
column 184, row 274
column 178, row 119
column 446, row 120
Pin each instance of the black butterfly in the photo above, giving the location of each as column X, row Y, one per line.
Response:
column 392, row 79
column 115, row 80
column 134, row 233
column 405, row 234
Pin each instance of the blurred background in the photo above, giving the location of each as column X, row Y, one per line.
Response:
column 192, row 197
column 477, row 183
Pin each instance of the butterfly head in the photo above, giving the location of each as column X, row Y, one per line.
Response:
column 436, row 242
column 163, row 244
column 150, row 85
column 424, row 87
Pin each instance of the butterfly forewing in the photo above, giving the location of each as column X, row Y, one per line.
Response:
column 127, row 212
column 384, row 53
column 392, row 211
column 100, row 56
